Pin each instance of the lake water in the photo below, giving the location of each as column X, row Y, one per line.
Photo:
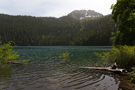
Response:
column 46, row 71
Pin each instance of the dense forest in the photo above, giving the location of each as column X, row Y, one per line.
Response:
column 48, row 31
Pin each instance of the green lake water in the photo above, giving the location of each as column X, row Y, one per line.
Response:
column 45, row 70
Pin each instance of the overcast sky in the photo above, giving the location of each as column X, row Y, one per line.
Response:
column 53, row 8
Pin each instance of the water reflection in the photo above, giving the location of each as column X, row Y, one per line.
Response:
column 5, row 72
column 91, row 80
column 44, row 72
column 5, row 76
column 56, row 78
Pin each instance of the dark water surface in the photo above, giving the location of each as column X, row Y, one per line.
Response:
column 45, row 71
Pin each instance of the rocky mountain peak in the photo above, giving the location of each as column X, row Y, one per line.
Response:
column 81, row 14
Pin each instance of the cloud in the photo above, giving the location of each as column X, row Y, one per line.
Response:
column 54, row 8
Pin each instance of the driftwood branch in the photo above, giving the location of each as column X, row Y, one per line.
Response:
column 106, row 69
column 11, row 62
column 117, row 70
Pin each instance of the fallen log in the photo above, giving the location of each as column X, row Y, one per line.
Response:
column 117, row 70
column 11, row 62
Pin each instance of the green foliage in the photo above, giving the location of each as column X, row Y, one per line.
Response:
column 132, row 80
column 124, row 16
column 64, row 58
column 125, row 56
column 7, row 53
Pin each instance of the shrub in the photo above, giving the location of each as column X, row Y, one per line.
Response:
column 7, row 53
column 125, row 56
column 64, row 58
column 132, row 80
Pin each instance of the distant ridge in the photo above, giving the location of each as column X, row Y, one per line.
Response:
column 81, row 14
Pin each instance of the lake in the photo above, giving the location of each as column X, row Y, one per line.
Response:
column 46, row 71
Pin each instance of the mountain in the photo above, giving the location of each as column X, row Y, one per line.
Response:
column 81, row 14
column 49, row 31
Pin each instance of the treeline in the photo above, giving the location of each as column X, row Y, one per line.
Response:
column 47, row 31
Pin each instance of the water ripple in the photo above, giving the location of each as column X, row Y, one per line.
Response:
column 44, row 72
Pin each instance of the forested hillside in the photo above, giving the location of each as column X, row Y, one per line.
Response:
column 66, row 30
column 96, row 31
